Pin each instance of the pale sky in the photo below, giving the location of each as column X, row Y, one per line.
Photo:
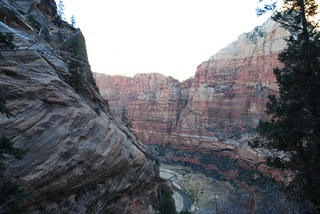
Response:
column 171, row 37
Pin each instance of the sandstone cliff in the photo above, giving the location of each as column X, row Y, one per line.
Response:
column 80, row 159
column 227, row 96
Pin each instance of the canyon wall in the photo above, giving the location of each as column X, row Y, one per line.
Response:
column 227, row 96
column 79, row 159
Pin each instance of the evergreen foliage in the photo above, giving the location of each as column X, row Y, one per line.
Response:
column 167, row 205
column 73, row 21
column 61, row 10
column 294, row 129
column 6, row 148
column 3, row 109
column 11, row 194
column 6, row 41
column 75, row 64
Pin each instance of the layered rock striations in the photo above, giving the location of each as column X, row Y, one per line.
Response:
column 227, row 96
column 80, row 159
column 122, row 92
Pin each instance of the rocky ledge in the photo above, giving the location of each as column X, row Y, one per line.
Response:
column 80, row 159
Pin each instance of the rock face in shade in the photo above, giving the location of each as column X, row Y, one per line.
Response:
column 80, row 159
column 227, row 95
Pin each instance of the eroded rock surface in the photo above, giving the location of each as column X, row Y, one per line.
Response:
column 227, row 96
column 80, row 159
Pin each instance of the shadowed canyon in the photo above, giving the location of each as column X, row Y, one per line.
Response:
column 225, row 98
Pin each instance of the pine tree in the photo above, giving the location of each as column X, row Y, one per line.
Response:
column 61, row 10
column 75, row 65
column 295, row 125
column 73, row 21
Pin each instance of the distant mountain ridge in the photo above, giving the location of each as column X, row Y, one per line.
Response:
column 227, row 96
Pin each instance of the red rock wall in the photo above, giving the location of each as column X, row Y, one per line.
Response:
column 227, row 95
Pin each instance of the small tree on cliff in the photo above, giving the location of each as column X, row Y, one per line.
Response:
column 73, row 21
column 61, row 9
column 6, row 41
column 295, row 125
column 75, row 65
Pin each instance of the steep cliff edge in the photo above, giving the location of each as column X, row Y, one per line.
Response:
column 80, row 159
column 227, row 96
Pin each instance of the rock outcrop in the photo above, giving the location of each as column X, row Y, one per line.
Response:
column 80, row 159
column 227, row 96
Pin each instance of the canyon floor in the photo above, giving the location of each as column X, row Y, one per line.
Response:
column 212, row 183
column 197, row 192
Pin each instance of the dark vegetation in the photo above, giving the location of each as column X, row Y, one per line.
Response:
column 166, row 205
column 294, row 129
column 76, row 66
column 272, row 198
column 6, row 41
column 11, row 194
column 74, row 48
column 124, row 118
column 254, row 35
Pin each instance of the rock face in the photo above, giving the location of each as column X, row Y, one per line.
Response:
column 80, row 159
column 227, row 95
